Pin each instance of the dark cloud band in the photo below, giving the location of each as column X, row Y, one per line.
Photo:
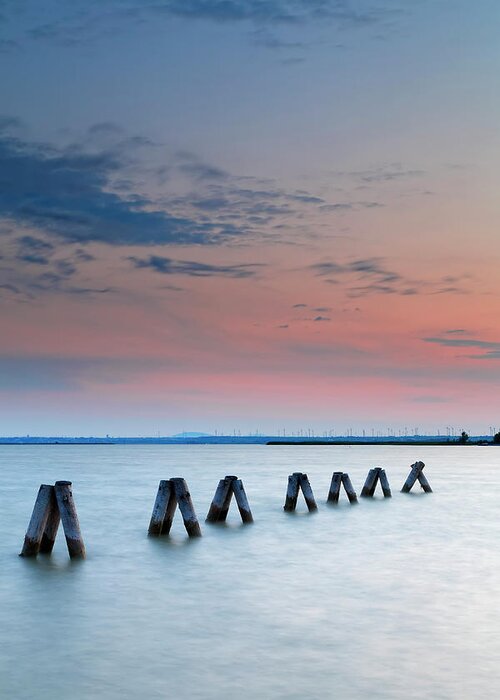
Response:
column 167, row 266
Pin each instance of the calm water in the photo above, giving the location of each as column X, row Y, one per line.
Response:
column 387, row 599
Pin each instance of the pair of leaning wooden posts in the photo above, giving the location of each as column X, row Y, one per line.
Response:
column 54, row 504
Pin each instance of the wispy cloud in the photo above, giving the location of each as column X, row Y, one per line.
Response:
column 167, row 266
column 463, row 343
column 492, row 348
column 38, row 266
column 367, row 276
column 256, row 208
column 274, row 11
column 340, row 207
column 10, row 288
column 381, row 280
column 203, row 172
column 391, row 172
column 83, row 22
column 34, row 250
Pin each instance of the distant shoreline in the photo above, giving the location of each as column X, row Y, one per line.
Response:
column 269, row 440
column 433, row 443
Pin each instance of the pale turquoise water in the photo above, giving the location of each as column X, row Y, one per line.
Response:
column 387, row 599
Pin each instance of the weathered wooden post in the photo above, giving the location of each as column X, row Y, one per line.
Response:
column 227, row 498
column 370, row 483
column 334, row 493
column 39, row 517
column 384, row 483
column 242, row 501
column 183, row 498
column 169, row 514
column 292, row 492
column 416, row 473
column 218, row 501
column 69, row 519
column 349, row 489
column 307, row 492
column 415, row 470
column 338, row 479
column 163, row 498
column 51, row 526
column 424, row 483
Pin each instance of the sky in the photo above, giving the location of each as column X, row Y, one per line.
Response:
column 249, row 215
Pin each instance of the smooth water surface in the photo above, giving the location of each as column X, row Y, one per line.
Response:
column 395, row 598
